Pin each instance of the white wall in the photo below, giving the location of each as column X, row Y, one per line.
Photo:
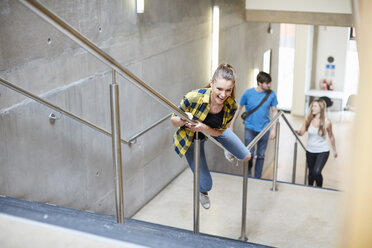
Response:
column 332, row 41
column 323, row 6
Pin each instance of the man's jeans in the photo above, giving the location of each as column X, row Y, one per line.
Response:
column 227, row 139
column 249, row 135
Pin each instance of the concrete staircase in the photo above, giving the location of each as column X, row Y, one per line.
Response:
column 295, row 216
column 133, row 231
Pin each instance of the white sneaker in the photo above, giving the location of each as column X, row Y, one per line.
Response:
column 204, row 201
column 231, row 158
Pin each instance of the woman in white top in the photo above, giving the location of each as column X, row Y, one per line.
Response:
column 317, row 150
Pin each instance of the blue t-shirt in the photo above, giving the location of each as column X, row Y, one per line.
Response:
column 261, row 117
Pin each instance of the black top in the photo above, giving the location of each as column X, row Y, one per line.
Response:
column 212, row 120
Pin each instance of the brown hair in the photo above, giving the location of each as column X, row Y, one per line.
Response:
column 226, row 72
column 263, row 77
column 310, row 116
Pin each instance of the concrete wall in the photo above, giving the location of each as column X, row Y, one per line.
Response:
column 168, row 47
column 243, row 44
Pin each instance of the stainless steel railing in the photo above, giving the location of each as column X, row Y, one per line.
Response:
column 295, row 151
column 131, row 140
column 117, row 68
column 243, row 235
column 116, row 137
column 84, row 42
column 274, row 121
column 116, row 149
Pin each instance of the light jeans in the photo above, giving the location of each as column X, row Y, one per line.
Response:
column 227, row 139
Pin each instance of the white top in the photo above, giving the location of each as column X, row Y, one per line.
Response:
column 315, row 142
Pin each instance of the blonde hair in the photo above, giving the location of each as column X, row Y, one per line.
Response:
column 322, row 104
column 226, row 72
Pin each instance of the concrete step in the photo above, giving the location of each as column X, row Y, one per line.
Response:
column 294, row 216
column 133, row 231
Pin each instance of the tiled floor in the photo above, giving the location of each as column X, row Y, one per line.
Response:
column 295, row 216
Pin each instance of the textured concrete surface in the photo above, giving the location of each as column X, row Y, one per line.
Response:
column 66, row 226
column 169, row 48
column 36, row 234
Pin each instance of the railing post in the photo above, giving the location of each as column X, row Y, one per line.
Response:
column 294, row 162
column 275, row 172
column 243, row 235
column 196, row 182
column 116, row 149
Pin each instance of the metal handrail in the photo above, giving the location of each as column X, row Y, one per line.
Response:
column 264, row 131
column 272, row 122
column 133, row 139
column 293, row 131
column 295, row 152
column 84, row 42
column 28, row 94
column 245, row 169
column 243, row 235
column 52, row 106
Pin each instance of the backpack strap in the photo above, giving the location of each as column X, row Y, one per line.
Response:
column 245, row 115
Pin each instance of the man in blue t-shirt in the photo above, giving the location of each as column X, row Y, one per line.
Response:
column 257, row 121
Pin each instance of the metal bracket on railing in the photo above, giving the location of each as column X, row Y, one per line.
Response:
column 52, row 118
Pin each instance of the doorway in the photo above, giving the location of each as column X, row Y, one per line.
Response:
column 286, row 66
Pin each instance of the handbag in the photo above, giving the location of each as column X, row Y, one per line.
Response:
column 245, row 114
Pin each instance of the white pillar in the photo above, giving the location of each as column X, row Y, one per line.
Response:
column 358, row 225
column 302, row 67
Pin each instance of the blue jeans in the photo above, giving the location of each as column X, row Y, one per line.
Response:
column 227, row 139
column 249, row 135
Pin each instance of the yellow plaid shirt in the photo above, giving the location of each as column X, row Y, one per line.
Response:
column 197, row 103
